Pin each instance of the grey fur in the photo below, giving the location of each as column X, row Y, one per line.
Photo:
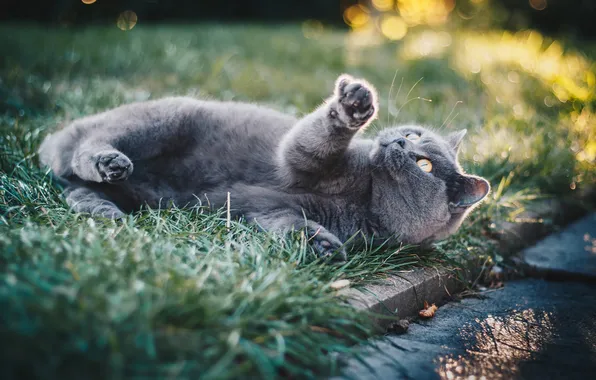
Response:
column 315, row 173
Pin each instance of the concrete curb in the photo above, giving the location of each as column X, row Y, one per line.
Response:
column 403, row 294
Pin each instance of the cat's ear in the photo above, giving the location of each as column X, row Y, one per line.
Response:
column 456, row 138
column 470, row 190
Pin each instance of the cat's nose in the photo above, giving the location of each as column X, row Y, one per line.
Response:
column 401, row 142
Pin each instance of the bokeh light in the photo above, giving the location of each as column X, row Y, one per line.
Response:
column 356, row 16
column 568, row 75
column 312, row 29
column 393, row 18
column 394, row 27
column 538, row 4
column 88, row 1
column 426, row 44
column 126, row 20
column 431, row 12
column 383, row 5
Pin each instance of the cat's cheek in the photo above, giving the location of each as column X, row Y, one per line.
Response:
column 451, row 228
column 375, row 153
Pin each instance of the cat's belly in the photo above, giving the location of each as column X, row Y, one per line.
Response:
column 188, row 180
column 219, row 155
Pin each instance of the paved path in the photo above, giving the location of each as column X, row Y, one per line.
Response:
column 530, row 329
column 568, row 254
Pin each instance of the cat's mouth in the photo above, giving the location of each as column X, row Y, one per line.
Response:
column 395, row 157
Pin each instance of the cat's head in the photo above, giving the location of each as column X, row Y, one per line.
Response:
column 420, row 192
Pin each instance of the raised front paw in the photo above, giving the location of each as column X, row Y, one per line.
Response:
column 356, row 101
column 329, row 247
column 113, row 166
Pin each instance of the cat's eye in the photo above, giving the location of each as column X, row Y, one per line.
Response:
column 412, row 137
column 425, row 165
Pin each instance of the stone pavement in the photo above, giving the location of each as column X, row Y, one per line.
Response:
column 530, row 329
column 568, row 254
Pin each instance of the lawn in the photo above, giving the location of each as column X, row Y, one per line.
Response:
column 177, row 293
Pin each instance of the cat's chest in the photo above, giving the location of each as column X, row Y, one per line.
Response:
column 341, row 215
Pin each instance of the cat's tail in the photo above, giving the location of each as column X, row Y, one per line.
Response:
column 56, row 152
column 44, row 150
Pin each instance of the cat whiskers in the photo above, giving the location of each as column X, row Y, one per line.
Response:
column 414, row 86
column 373, row 129
column 408, row 100
column 445, row 123
column 389, row 97
column 396, row 95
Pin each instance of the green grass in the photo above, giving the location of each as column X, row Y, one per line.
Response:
column 174, row 292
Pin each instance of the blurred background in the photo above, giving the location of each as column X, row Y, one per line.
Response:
column 552, row 16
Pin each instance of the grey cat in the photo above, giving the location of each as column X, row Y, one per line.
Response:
column 282, row 173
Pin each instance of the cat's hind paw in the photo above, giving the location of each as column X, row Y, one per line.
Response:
column 357, row 101
column 329, row 248
column 113, row 166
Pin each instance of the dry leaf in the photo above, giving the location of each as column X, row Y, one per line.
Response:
column 496, row 272
column 428, row 311
column 496, row 284
column 339, row 284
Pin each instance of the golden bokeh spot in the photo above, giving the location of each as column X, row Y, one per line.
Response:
column 431, row 12
column 538, row 4
column 588, row 153
column 513, row 77
column 394, row 27
column 383, row 5
column 88, row 1
column 549, row 101
column 357, row 42
column 356, row 16
column 590, row 79
column 312, row 29
column 569, row 75
column 426, row 44
column 583, row 122
column 127, row 20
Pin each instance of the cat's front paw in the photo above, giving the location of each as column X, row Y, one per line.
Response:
column 113, row 166
column 356, row 101
column 329, row 247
